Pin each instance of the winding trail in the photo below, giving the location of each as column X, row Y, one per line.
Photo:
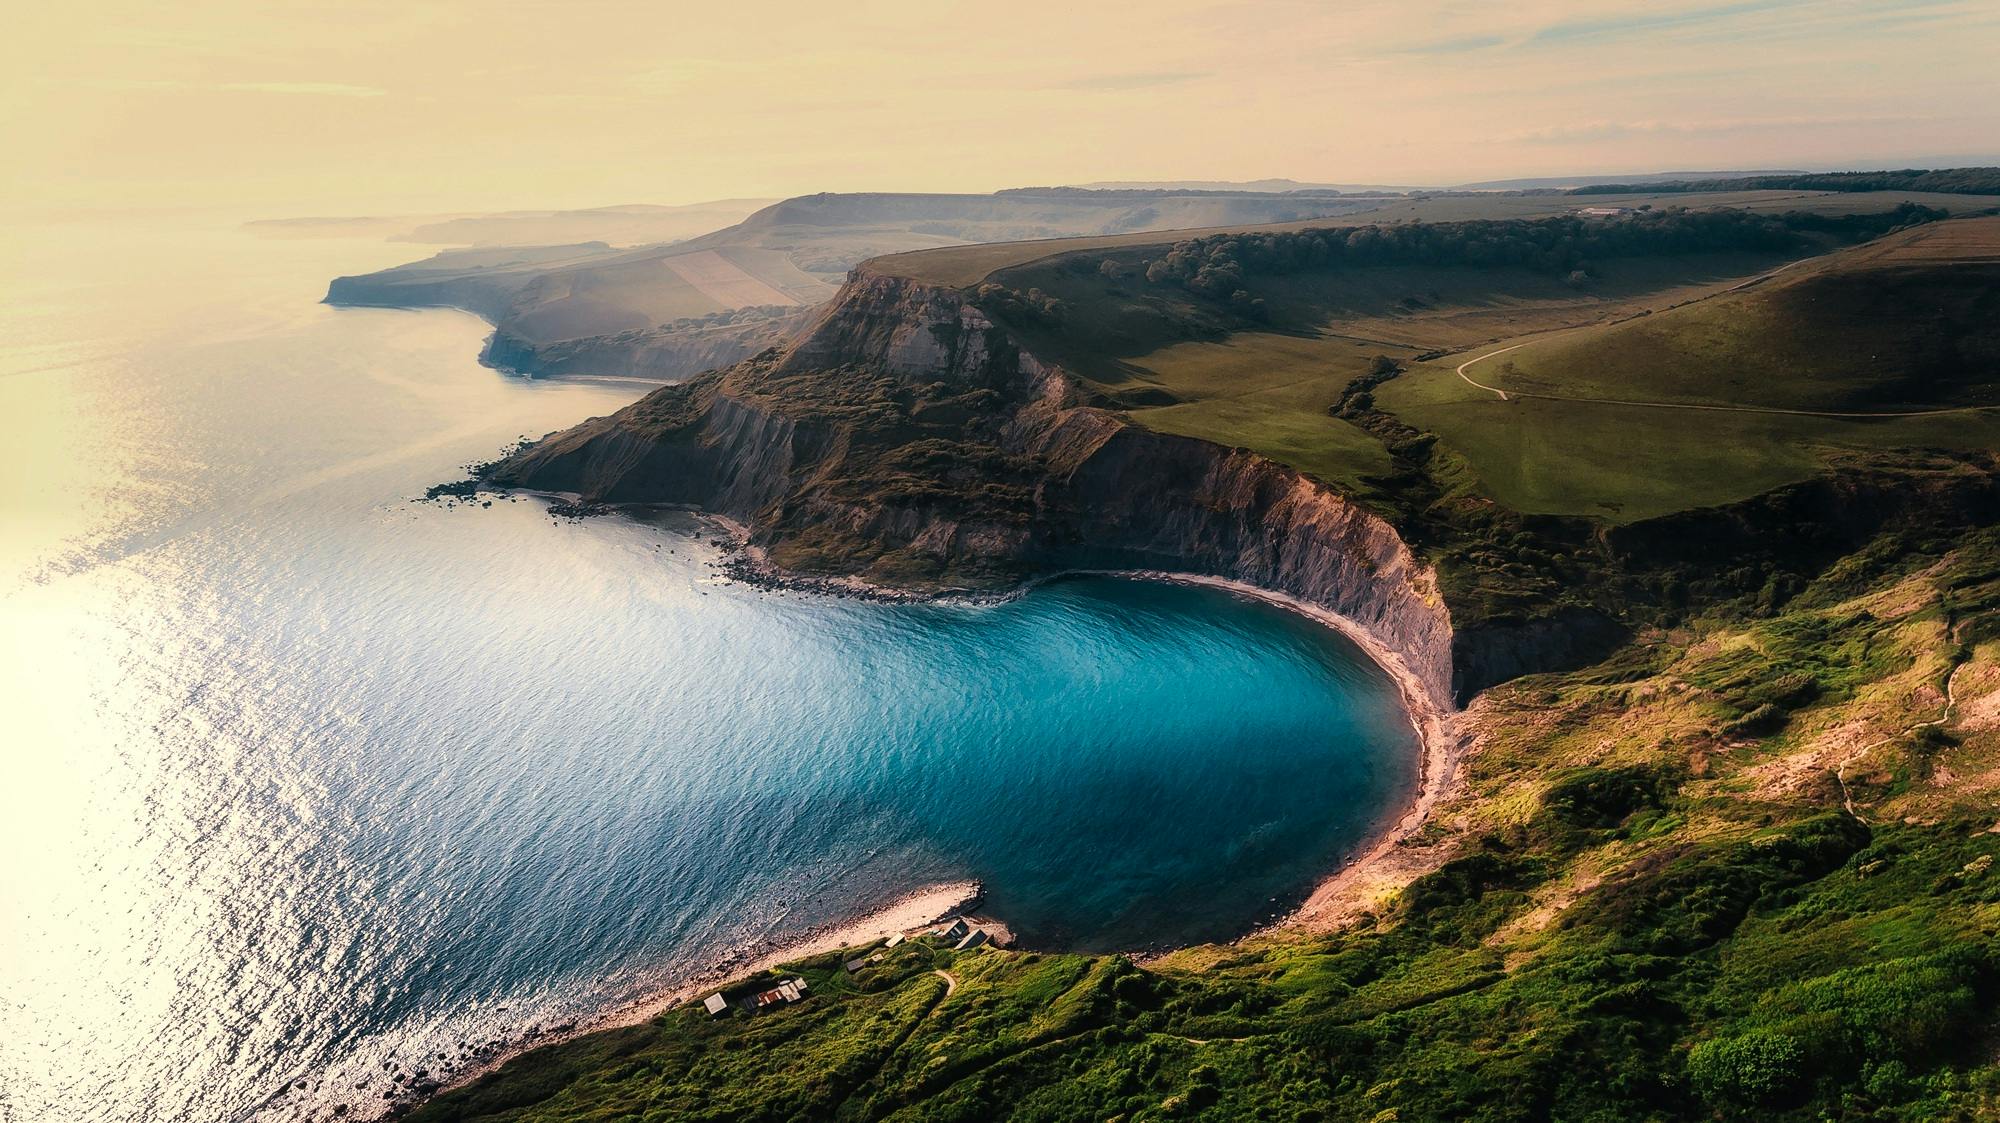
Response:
column 1698, row 406
column 1840, row 771
column 1519, row 394
column 1481, row 385
column 950, row 981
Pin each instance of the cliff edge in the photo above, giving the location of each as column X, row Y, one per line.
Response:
column 908, row 439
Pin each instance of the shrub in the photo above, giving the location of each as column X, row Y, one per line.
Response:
column 1758, row 1067
column 1767, row 718
column 1602, row 798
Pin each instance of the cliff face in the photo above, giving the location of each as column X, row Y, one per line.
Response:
column 665, row 354
column 1135, row 499
column 909, row 330
column 485, row 297
column 907, row 439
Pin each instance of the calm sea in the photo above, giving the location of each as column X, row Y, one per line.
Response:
column 300, row 776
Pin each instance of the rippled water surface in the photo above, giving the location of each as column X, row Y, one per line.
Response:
column 300, row 776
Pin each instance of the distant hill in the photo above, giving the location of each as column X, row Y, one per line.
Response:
column 786, row 256
column 1950, row 181
column 1909, row 323
column 1239, row 339
column 632, row 224
column 1542, row 183
column 1253, row 185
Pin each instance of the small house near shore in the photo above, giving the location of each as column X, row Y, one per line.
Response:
column 715, row 1004
column 972, row 939
column 784, row 994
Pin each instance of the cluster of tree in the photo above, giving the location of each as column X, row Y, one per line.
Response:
column 1954, row 181
column 1359, row 396
column 1032, row 306
column 1218, row 266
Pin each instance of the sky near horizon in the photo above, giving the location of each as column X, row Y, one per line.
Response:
column 283, row 108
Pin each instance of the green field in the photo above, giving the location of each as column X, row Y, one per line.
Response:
column 1907, row 322
column 1912, row 324
column 1271, row 394
column 1625, row 463
column 1834, row 336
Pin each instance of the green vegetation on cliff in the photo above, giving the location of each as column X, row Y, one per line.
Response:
column 1647, row 899
column 1255, row 340
column 1736, row 862
column 1900, row 325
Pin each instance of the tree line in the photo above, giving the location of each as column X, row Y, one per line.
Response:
column 1218, row 266
column 1952, row 181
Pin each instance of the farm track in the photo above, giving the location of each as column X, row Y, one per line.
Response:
column 1759, row 279
column 1520, row 395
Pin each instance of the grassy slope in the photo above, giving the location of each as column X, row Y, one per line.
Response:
column 1908, row 324
column 1647, row 903
column 1831, row 333
column 1270, row 389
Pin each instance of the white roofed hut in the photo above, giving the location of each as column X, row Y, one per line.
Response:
column 784, row 994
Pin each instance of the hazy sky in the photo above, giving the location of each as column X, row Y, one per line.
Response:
column 366, row 106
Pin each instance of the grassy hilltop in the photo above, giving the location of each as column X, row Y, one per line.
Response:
column 1275, row 376
column 1741, row 867
column 1909, row 325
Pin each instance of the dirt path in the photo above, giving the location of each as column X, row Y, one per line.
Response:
column 1507, row 396
column 1698, row 406
column 1840, row 771
column 1481, row 385
column 950, row 981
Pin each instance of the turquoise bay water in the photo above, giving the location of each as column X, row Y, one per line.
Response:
column 302, row 776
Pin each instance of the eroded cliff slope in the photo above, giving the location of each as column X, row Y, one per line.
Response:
column 907, row 439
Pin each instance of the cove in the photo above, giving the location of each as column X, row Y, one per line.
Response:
column 317, row 776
